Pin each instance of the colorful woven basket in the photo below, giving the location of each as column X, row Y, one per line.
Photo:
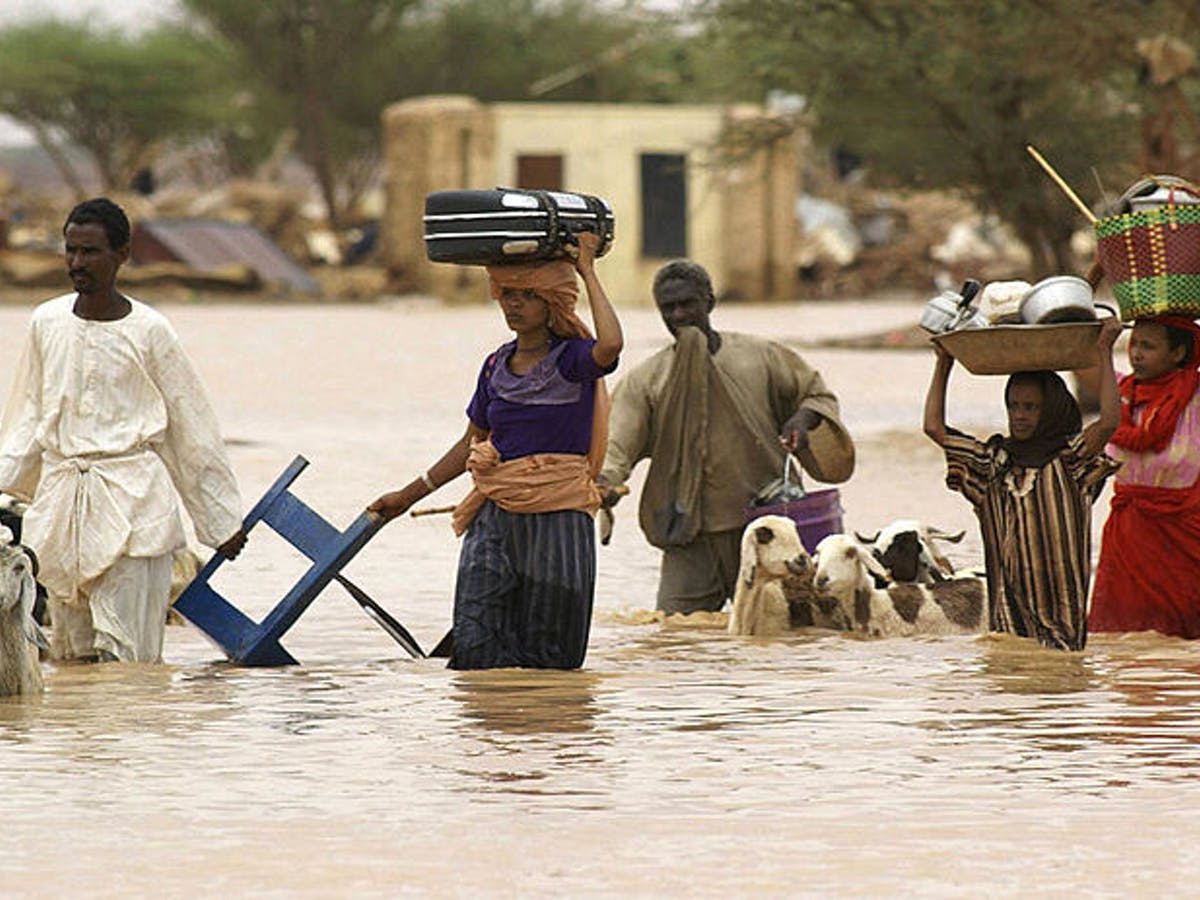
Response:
column 1152, row 260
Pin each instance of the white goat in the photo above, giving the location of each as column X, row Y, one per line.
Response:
column 847, row 570
column 20, row 671
column 771, row 551
column 906, row 549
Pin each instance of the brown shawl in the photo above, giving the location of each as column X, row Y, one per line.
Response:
column 697, row 391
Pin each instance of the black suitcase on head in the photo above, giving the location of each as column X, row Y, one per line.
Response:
column 510, row 225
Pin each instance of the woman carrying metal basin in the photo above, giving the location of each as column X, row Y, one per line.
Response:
column 1032, row 491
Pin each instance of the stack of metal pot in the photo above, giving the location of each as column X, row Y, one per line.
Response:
column 952, row 310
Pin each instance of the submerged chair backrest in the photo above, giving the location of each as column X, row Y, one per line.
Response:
column 253, row 643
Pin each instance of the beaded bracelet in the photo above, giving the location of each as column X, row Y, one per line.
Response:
column 428, row 481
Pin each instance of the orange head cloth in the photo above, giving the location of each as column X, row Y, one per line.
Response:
column 554, row 282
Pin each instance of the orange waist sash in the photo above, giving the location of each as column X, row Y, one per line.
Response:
column 541, row 482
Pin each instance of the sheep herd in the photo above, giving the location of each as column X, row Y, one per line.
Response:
column 891, row 584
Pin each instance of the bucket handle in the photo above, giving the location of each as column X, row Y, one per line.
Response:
column 790, row 462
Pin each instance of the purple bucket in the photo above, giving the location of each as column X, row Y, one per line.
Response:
column 816, row 514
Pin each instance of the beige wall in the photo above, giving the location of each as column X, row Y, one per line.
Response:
column 741, row 223
column 431, row 144
column 602, row 144
column 760, row 187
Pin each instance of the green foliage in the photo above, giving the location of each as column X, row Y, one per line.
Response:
column 241, row 74
column 327, row 66
column 570, row 50
column 117, row 98
column 332, row 66
column 946, row 94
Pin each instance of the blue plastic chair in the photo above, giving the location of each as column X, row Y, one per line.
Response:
column 251, row 643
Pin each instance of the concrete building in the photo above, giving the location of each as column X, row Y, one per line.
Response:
column 673, row 174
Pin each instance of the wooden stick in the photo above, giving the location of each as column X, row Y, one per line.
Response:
column 1062, row 184
column 432, row 511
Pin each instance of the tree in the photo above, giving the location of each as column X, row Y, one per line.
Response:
column 118, row 98
column 546, row 50
column 945, row 94
column 328, row 63
column 333, row 65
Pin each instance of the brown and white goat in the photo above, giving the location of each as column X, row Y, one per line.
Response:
column 905, row 548
column 848, row 571
column 771, row 552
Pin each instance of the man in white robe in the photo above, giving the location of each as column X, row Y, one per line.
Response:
column 107, row 426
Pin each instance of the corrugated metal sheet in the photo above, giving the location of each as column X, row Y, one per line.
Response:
column 205, row 244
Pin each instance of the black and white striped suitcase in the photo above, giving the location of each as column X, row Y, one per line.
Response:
column 510, row 224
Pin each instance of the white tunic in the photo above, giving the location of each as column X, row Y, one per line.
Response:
column 104, row 417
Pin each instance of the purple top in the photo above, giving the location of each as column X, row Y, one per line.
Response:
column 546, row 410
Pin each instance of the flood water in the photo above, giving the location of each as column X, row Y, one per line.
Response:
column 679, row 761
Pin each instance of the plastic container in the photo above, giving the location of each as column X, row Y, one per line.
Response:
column 816, row 514
column 1163, row 196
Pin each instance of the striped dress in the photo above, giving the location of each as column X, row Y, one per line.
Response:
column 1036, row 530
column 524, row 591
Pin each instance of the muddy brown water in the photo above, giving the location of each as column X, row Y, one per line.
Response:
column 679, row 761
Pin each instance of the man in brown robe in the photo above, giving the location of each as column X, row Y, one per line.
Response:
column 715, row 413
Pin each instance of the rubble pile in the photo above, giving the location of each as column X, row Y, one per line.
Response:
column 31, row 241
column 852, row 241
column 876, row 242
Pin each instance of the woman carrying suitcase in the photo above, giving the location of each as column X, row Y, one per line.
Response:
column 535, row 439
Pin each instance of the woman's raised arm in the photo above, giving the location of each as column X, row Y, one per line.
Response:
column 609, row 339
column 935, row 399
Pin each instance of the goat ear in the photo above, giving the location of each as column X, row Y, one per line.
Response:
column 33, row 560
column 947, row 536
column 763, row 534
column 874, row 567
column 749, row 555
column 27, row 599
column 867, row 540
column 35, row 635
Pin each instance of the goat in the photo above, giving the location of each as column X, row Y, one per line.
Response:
column 20, row 671
column 848, row 570
column 906, row 550
column 771, row 551
column 12, row 516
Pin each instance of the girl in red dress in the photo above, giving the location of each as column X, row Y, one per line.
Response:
column 1148, row 576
